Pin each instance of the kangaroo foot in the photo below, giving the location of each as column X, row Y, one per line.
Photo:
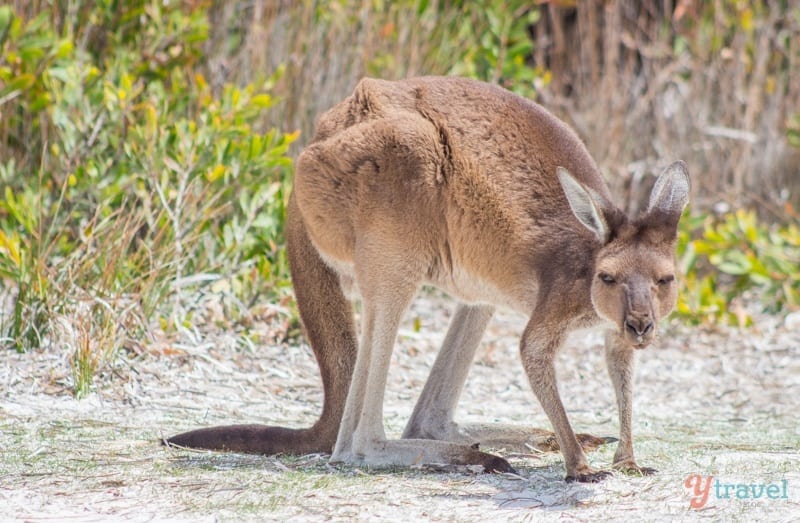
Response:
column 587, row 475
column 511, row 437
column 630, row 468
column 410, row 452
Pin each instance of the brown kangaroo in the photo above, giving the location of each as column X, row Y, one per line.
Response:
column 468, row 187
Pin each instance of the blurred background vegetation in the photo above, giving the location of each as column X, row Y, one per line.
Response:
column 146, row 146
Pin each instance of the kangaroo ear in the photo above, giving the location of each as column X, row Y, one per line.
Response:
column 671, row 191
column 586, row 205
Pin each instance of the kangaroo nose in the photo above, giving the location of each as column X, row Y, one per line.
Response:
column 639, row 326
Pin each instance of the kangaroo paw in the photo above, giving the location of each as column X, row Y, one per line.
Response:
column 592, row 476
column 630, row 468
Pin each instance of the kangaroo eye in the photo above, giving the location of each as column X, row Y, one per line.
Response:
column 607, row 278
column 666, row 279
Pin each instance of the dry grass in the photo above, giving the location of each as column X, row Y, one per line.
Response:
column 722, row 105
column 713, row 403
column 324, row 48
column 642, row 82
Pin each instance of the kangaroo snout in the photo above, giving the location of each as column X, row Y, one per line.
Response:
column 639, row 326
column 639, row 329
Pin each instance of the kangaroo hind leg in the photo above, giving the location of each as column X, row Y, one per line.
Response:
column 328, row 320
column 362, row 440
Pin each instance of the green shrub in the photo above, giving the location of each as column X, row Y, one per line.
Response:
column 496, row 46
column 128, row 180
column 734, row 258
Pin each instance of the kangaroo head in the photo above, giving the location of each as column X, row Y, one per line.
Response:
column 633, row 284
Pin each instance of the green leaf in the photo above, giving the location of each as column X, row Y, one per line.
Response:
column 20, row 83
column 734, row 262
column 262, row 100
column 6, row 17
column 63, row 49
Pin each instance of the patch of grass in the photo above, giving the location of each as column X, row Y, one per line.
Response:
column 246, row 484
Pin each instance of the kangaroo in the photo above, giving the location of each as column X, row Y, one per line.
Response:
column 465, row 186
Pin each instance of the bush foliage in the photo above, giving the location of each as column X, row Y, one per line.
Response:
column 736, row 257
column 142, row 154
column 127, row 179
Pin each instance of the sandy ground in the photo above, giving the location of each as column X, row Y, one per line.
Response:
column 722, row 404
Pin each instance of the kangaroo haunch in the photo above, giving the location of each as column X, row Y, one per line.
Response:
column 468, row 187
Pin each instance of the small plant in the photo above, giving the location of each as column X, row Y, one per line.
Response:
column 500, row 53
column 723, row 259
